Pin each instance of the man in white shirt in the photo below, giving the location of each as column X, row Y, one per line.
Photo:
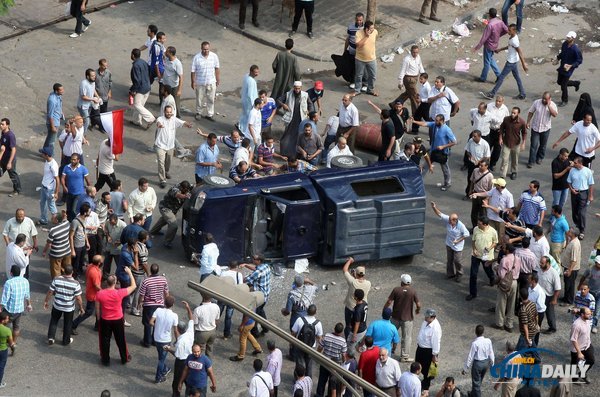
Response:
column 87, row 97
column 304, row 359
column 105, row 171
column 514, row 56
column 261, row 383
column 340, row 149
column 476, row 149
column 173, row 76
column 49, row 191
column 499, row 199
column 17, row 255
column 142, row 201
column 409, row 150
column 442, row 100
column 274, row 364
column 205, row 324
column 208, row 258
column 183, row 347
column 479, row 360
column 348, row 121
column 410, row 384
column 428, row 345
column 164, row 321
column 206, row 77
column 588, row 139
column 498, row 111
column 422, row 113
column 411, row 69
column 549, row 280
column 537, row 296
column 387, row 373
column 165, row 142
column 481, row 120
column 255, row 122
column 231, row 271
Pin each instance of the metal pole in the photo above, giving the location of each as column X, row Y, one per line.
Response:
column 332, row 366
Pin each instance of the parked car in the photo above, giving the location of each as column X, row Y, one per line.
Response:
column 368, row 212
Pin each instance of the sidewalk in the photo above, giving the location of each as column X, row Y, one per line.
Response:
column 397, row 22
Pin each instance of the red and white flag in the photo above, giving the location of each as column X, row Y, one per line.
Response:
column 113, row 125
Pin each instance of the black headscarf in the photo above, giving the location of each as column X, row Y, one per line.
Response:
column 584, row 106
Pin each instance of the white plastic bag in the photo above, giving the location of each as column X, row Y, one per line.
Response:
column 460, row 29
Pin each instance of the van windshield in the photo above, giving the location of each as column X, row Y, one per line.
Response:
column 377, row 187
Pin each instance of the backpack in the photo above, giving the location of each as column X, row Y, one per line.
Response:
column 308, row 333
column 155, row 59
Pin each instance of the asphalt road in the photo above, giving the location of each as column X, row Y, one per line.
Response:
column 35, row 62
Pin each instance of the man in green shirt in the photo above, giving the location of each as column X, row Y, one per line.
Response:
column 484, row 240
column 6, row 341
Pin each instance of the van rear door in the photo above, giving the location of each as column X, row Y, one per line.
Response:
column 301, row 229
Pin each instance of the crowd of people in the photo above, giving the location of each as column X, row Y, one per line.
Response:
column 523, row 260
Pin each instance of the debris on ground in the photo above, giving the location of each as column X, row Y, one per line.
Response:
column 387, row 58
column 461, row 3
column 538, row 61
column 593, row 44
column 461, row 65
column 559, row 9
column 301, row 265
column 399, row 50
column 460, row 29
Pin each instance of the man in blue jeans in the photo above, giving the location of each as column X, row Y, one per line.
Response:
column 164, row 321
column 74, row 179
column 489, row 40
column 514, row 56
column 519, row 4
column 54, row 114
column 87, row 97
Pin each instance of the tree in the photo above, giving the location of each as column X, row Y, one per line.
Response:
column 5, row 5
column 371, row 10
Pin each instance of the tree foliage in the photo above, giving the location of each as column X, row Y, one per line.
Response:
column 5, row 5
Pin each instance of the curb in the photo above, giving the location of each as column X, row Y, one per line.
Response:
column 57, row 20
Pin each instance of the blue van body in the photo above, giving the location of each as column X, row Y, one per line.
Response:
column 370, row 213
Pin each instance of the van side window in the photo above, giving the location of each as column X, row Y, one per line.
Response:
column 377, row 187
column 293, row 194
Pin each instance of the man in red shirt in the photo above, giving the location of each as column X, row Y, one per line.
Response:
column 109, row 314
column 93, row 280
column 368, row 360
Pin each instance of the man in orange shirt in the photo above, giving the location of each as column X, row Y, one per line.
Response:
column 93, row 281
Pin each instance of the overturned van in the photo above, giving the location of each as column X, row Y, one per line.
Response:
column 372, row 212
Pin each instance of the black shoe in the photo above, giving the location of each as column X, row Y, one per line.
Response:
column 520, row 97
column 487, row 95
column 162, row 185
column 577, row 84
column 256, row 352
column 562, row 104
column 470, row 297
column 242, row 26
column 209, row 118
column 480, row 80
column 236, row 358
column 513, row 176
column 549, row 331
column 507, row 329
column 529, row 165
column 492, row 309
column 538, row 162
column 143, row 344
column 495, row 326
column 424, row 21
column 435, row 19
column 256, row 24
column 74, row 332
column 457, row 278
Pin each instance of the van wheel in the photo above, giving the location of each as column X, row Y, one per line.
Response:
column 346, row 162
column 218, row 181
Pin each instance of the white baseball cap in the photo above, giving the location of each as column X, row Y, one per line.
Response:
column 406, row 279
column 571, row 35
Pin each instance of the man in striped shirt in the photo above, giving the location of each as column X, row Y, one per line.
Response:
column 532, row 206
column 66, row 291
column 334, row 347
column 58, row 246
column 153, row 291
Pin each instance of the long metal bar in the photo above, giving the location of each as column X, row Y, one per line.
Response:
column 336, row 370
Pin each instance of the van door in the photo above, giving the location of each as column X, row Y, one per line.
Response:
column 301, row 229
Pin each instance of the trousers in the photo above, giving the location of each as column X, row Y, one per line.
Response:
column 55, row 316
column 108, row 328
column 579, row 204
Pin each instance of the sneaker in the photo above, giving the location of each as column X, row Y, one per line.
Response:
column 74, row 35
column 581, row 236
column 520, row 97
column 2, row 385
column 127, row 324
column 136, row 312
column 351, row 86
column 160, row 380
column 487, row 95
column 85, row 27
column 14, row 194
column 594, row 330
column 167, row 372
column 445, row 187
column 363, row 88
column 50, row 341
column 70, row 341
column 292, row 33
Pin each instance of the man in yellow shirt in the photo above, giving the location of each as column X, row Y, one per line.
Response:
column 365, row 59
column 485, row 239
